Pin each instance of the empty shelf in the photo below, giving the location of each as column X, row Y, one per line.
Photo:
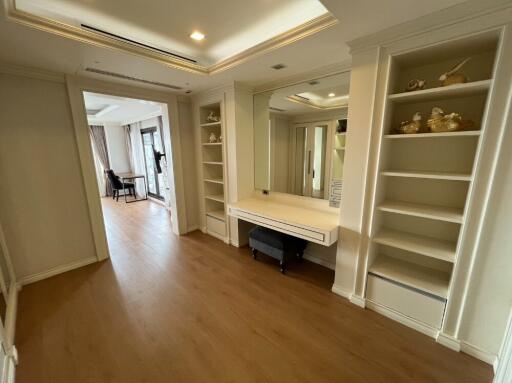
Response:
column 462, row 90
column 464, row 133
column 212, row 143
column 219, row 214
column 214, row 180
column 430, row 247
column 213, row 163
column 441, row 213
column 423, row 278
column 430, row 175
column 218, row 197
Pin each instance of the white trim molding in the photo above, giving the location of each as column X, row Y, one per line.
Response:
column 448, row 341
column 319, row 261
column 478, row 353
column 101, row 40
column 358, row 301
column 56, row 270
column 340, row 291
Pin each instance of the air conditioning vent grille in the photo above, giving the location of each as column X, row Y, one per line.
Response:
column 125, row 77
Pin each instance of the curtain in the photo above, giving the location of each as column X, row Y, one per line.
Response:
column 129, row 145
column 99, row 141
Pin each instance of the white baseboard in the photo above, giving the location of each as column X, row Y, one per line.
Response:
column 234, row 243
column 341, row 292
column 478, row 353
column 56, row 270
column 192, row 228
column 319, row 261
column 357, row 300
column 396, row 316
column 218, row 236
column 448, row 341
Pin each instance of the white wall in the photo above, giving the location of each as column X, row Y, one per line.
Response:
column 43, row 207
column 116, row 146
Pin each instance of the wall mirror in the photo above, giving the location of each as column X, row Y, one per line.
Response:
column 299, row 136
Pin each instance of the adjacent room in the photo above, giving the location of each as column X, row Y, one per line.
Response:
column 255, row 191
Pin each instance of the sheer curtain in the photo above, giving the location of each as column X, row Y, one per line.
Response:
column 137, row 157
column 99, row 144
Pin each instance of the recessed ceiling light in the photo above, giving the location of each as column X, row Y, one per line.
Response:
column 331, row 95
column 197, row 35
column 278, row 66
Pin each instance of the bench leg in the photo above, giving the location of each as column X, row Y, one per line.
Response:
column 254, row 253
column 300, row 256
column 282, row 263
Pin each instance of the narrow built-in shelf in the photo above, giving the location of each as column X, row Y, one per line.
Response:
column 208, row 124
column 341, row 134
column 430, row 247
column 419, row 277
column 340, row 149
column 217, row 197
column 213, row 163
column 214, row 180
column 218, row 214
column 212, row 143
column 467, row 89
column 463, row 133
column 441, row 213
column 430, row 175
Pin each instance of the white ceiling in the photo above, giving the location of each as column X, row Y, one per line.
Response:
column 118, row 110
column 317, row 93
column 231, row 26
column 33, row 48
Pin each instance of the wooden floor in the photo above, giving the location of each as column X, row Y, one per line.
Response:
column 192, row 309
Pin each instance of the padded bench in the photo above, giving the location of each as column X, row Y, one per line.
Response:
column 276, row 245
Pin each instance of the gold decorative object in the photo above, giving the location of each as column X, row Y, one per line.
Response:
column 452, row 77
column 415, row 84
column 212, row 117
column 410, row 127
column 453, row 122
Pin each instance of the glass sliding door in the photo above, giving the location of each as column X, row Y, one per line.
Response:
column 151, row 139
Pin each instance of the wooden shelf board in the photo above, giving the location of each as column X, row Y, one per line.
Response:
column 217, row 197
column 208, row 124
column 423, row 278
column 440, row 213
column 212, row 143
column 340, row 149
column 464, row 133
column 213, row 163
column 430, row 247
column 430, row 175
column 341, row 134
column 466, row 89
column 214, row 180
column 219, row 214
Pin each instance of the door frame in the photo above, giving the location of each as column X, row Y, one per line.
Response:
column 76, row 85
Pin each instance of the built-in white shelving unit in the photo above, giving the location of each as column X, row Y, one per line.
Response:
column 424, row 180
column 213, row 170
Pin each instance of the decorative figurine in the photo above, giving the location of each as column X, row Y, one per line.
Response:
column 453, row 122
column 415, row 84
column 410, row 127
column 212, row 117
column 220, row 138
column 212, row 139
column 452, row 77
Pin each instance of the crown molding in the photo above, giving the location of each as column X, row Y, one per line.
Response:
column 40, row 74
column 458, row 13
column 85, row 36
column 311, row 104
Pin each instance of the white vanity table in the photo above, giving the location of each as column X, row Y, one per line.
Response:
column 306, row 218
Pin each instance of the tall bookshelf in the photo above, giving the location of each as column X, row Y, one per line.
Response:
column 213, row 171
column 425, row 180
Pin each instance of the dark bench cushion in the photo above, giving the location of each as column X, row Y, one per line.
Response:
column 277, row 240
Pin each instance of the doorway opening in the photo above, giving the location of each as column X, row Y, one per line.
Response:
column 130, row 142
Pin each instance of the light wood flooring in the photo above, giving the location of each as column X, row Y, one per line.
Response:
column 193, row 309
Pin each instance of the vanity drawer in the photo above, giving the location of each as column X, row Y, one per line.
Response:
column 217, row 226
column 406, row 301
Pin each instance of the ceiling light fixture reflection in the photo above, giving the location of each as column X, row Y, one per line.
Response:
column 197, row 36
column 331, row 95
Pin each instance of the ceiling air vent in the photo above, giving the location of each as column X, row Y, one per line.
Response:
column 278, row 66
column 125, row 77
column 314, row 82
column 133, row 42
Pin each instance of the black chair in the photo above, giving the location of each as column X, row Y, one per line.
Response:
column 117, row 185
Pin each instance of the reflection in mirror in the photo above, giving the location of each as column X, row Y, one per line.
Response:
column 300, row 135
